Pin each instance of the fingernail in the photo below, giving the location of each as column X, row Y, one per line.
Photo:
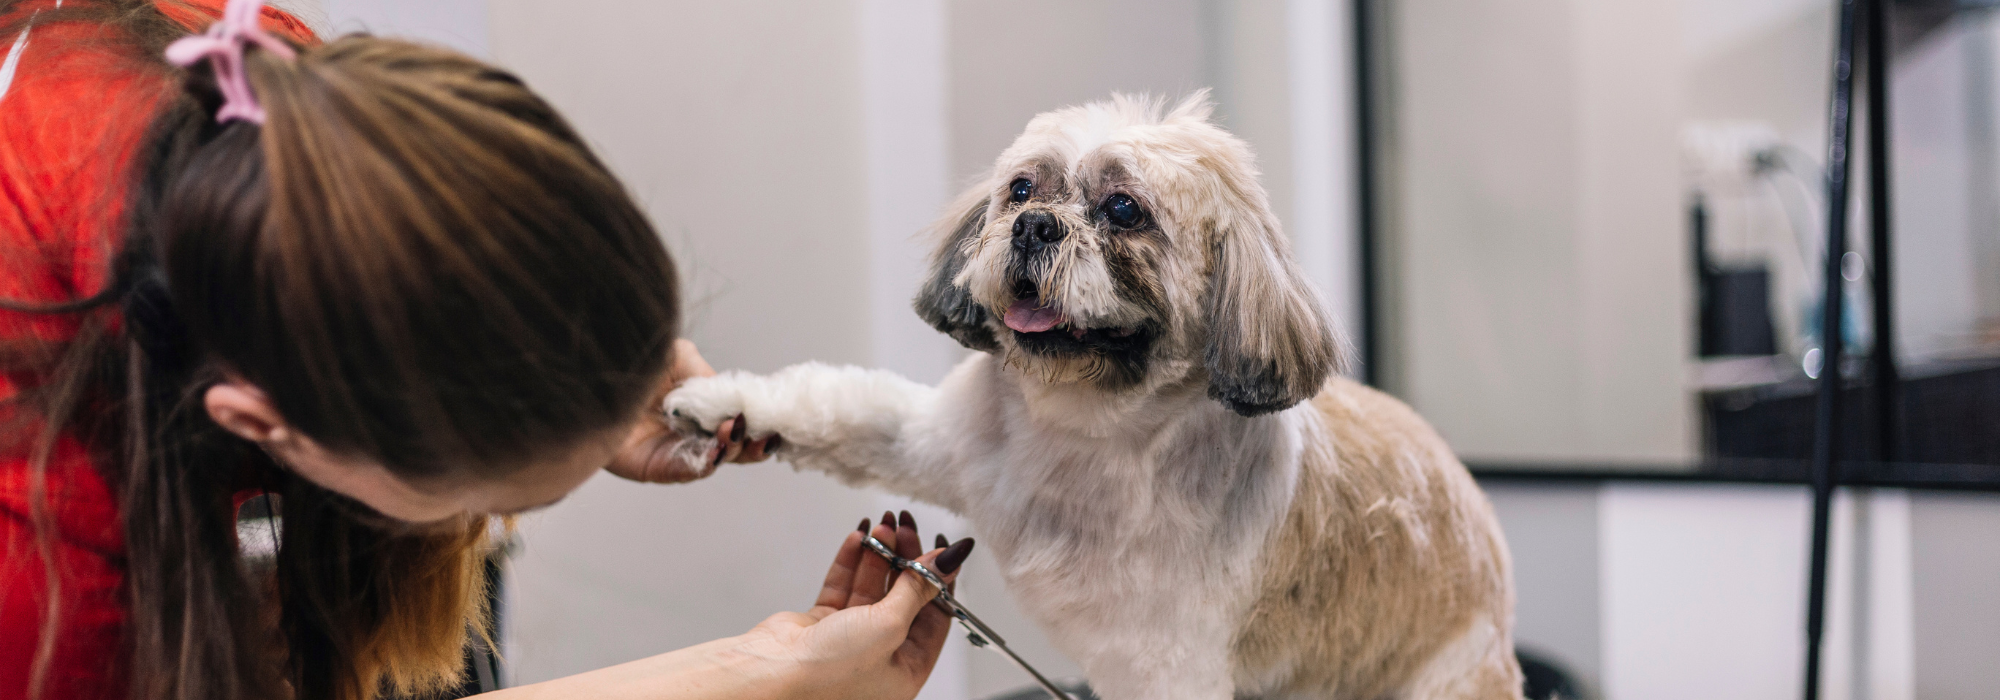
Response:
column 771, row 444
column 942, row 542
column 736, row 431
column 907, row 520
column 720, row 452
column 864, row 526
column 888, row 520
column 954, row 556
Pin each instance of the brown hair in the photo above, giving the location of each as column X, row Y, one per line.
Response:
column 419, row 262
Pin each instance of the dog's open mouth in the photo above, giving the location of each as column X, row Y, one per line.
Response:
column 1047, row 330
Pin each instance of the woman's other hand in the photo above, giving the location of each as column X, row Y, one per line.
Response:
column 869, row 635
column 653, row 453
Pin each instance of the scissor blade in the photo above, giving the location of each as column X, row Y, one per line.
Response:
column 977, row 630
column 974, row 627
column 1054, row 692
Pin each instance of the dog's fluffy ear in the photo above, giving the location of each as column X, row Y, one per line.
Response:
column 941, row 302
column 1270, row 344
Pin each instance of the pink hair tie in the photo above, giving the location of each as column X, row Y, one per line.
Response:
column 223, row 45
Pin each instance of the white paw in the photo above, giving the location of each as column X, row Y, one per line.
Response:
column 703, row 403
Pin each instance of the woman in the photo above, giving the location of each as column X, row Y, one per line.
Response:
column 386, row 284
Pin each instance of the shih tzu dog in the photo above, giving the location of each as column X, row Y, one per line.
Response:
column 1152, row 437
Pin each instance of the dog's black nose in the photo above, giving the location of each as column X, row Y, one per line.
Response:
column 1035, row 229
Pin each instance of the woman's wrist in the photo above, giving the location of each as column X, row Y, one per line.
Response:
column 758, row 675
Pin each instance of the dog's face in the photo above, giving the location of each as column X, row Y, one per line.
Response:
column 1128, row 249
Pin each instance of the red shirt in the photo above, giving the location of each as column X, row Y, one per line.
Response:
column 71, row 115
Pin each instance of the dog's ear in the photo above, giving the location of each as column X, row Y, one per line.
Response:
column 1270, row 345
column 941, row 302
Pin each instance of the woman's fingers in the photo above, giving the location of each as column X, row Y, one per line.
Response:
column 756, row 450
column 724, row 447
column 652, row 454
column 834, row 592
column 873, row 572
column 907, row 597
column 900, row 532
column 930, row 626
column 655, row 453
column 732, row 444
column 908, row 544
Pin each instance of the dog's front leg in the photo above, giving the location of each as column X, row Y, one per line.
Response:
column 864, row 427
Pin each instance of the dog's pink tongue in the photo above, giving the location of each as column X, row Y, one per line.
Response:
column 1028, row 317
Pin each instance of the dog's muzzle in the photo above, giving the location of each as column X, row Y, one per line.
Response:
column 1036, row 230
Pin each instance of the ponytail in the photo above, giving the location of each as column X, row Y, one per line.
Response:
column 421, row 264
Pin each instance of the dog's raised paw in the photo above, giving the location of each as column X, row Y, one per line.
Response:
column 699, row 406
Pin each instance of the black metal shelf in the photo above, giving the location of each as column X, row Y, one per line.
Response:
column 1784, row 472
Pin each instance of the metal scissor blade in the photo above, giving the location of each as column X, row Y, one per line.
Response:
column 978, row 631
column 1047, row 685
column 975, row 629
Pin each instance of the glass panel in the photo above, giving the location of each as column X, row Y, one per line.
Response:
column 1603, row 222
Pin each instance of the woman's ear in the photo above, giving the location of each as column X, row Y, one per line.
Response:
column 243, row 410
column 942, row 303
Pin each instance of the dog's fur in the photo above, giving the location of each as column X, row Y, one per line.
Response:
column 1174, row 484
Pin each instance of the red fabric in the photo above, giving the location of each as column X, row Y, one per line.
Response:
column 71, row 118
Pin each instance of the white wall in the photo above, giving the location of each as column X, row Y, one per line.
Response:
column 739, row 126
column 1957, row 611
column 460, row 24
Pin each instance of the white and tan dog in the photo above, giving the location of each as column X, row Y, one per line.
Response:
column 1153, row 441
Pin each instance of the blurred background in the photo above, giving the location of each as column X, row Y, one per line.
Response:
column 1578, row 235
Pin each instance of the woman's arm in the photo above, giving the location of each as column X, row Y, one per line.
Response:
column 712, row 670
column 862, row 640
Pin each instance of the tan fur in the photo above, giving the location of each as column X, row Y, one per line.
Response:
column 1390, row 552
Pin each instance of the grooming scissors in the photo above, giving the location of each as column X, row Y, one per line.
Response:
column 975, row 631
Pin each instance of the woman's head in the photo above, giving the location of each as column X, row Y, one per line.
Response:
column 414, row 286
column 413, row 282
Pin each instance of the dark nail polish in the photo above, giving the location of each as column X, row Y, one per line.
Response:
column 954, row 556
column 888, row 520
column 771, row 444
column 942, row 542
column 906, row 520
column 736, row 431
column 864, row 526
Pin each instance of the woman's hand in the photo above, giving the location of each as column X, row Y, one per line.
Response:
column 867, row 636
column 653, row 452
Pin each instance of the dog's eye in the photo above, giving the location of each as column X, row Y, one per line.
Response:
column 1022, row 188
column 1122, row 212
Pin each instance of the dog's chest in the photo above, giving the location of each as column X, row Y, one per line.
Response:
column 1102, row 542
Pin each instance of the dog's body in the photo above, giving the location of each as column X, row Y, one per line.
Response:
column 1139, row 449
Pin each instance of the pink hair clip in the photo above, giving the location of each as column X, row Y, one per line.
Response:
column 223, row 45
